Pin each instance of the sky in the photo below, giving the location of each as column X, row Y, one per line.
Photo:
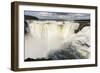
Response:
column 58, row 15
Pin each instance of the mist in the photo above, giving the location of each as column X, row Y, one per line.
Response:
column 47, row 37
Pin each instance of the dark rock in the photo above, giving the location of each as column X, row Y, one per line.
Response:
column 27, row 17
column 37, row 59
column 29, row 59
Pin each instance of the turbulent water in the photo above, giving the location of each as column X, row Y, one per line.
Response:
column 77, row 47
column 56, row 40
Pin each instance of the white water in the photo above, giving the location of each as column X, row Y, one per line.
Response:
column 45, row 36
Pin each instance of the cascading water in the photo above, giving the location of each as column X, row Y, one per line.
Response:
column 49, row 36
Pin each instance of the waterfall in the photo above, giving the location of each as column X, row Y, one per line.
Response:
column 45, row 36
